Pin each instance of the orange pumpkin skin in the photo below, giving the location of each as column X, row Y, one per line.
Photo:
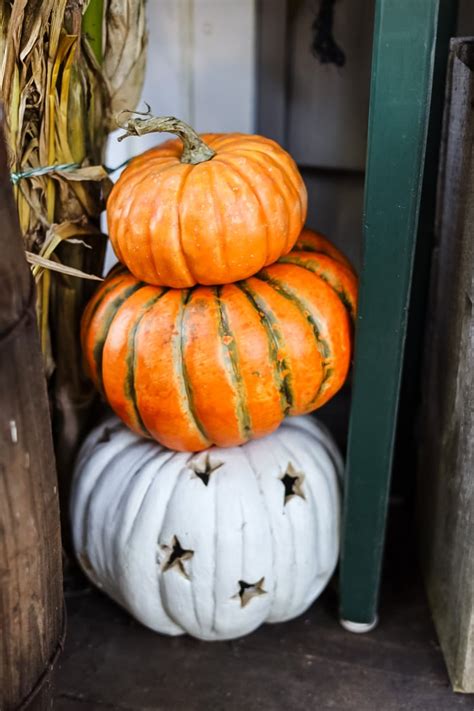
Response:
column 176, row 224
column 222, row 365
column 311, row 241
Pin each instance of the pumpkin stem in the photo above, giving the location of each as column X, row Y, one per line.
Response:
column 194, row 149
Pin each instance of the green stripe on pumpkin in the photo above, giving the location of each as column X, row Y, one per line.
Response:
column 231, row 358
column 106, row 322
column 105, row 292
column 179, row 343
column 276, row 346
column 302, row 246
column 322, row 345
column 117, row 268
column 316, row 269
column 131, row 360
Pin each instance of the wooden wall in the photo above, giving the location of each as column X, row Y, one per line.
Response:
column 200, row 67
column 319, row 111
column 446, row 458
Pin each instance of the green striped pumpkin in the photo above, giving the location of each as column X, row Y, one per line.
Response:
column 222, row 365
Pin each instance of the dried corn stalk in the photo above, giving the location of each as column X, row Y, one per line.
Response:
column 67, row 66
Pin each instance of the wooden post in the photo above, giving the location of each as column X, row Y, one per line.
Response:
column 406, row 36
column 31, row 601
column 446, row 462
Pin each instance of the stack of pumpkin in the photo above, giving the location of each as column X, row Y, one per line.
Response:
column 224, row 317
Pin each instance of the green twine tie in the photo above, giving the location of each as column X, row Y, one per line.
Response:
column 16, row 177
column 64, row 167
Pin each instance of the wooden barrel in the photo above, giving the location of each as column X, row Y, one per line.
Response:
column 31, row 599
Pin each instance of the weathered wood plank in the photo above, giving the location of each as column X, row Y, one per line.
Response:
column 335, row 207
column 446, row 463
column 328, row 109
column 465, row 26
column 272, row 68
column 31, row 605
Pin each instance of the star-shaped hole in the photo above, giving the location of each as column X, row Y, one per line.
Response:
column 107, row 433
column 247, row 591
column 204, row 469
column 177, row 556
column 293, row 483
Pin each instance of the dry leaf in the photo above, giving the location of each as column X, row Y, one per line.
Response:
column 37, row 260
column 125, row 53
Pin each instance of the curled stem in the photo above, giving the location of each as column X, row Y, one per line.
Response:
column 138, row 123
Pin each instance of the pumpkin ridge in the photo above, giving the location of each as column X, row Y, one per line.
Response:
column 155, row 165
column 133, row 445
column 149, row 237
column 217, row 210
column 115, row 242
column 293, row 189
column 179, row 227
column 122, row 203
column 133, row 194
column 232, row 359
column 276, row 185
column 140, row 465
column 309, row 490
column 129, row 384
column 322, row 345
column 88, row 505
column 272, row 157
column 97, row 300
column 107, row 319
column 312, row 241
column 220, row 141
column 228, row 141
column 183, row 381
column 284, row 169
column 269, row 519
column 341, row 293
column 159, row 575
column 165, row 457
column 254, row 192
column 281, row 370
column 250, row 140
column 215, row 557
column 301, row 246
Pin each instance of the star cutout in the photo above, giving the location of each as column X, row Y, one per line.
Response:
column 204, row 469
column 248, row 591
column 293, row 483
column 106, row 435
column 177, row 556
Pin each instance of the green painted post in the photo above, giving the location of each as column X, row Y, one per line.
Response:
column 405, row 39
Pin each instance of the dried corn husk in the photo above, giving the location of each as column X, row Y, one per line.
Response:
column 66, row 65
column 125, row 28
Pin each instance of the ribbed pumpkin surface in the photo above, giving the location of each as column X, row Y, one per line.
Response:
column 176, row 224
column 221, row 365
column 174, row 537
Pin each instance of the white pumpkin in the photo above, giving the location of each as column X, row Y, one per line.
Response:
column 214, row 543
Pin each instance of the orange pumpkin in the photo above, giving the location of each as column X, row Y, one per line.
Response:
column 204, row 210
column 221, row 365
